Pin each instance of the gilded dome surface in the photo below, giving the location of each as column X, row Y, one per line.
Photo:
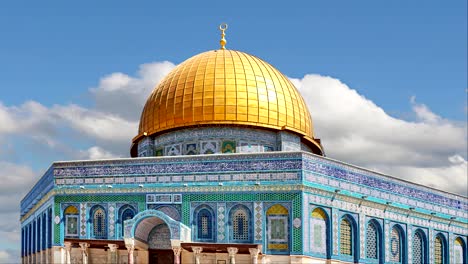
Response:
column 226, row 87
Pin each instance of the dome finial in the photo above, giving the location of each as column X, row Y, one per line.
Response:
column 223, row 41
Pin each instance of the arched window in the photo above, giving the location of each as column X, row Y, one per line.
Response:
column 71, row 221
column 240, row 224
column 277, row 221
column 373, row 241
column 440, row 254
column 346, row 238
column 419, row 248
column 204, row 225
column 459, row 251
column 99, row 222
column 126, row 213
column 318, row 232
column 396, row 245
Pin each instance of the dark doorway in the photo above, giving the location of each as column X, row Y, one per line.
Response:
column 160, row 256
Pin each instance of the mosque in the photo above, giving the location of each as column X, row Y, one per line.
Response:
column 226, row 169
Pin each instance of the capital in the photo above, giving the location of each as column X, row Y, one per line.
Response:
column 177, row 250
column 113, row 247
column 232, row 251
column 68, row 245
column 254, row 252
column 84, row 245
column 197, row 250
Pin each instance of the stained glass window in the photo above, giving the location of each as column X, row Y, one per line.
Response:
column 395, row 246
column 418, row 250
column 204, row 223
column 240, row 225
column 318, row 238
column 371, row 242
column 438, row 251
column 99, row 223
column 346, row 238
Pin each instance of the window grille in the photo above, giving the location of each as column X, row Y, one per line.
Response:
column 346, row 238
column 371, row 242
column 240, row 225
column 418, row 253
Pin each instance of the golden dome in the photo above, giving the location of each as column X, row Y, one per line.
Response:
column 226, row 87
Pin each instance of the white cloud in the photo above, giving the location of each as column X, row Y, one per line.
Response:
column 9, row 256
column 96, row 152
column 123, row 95
column 356, row 130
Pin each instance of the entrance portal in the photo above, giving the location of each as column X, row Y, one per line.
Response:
column 160, row 256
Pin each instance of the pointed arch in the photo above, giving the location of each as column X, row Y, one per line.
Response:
column 349, row 247
column 98, row 219
column 240, row 224
column 459, row 250
column 397, row 244
column 203, row 223
column 374, row 241
column 319, row 232
column 126, row 212
column 440, row 249
column 419, row 247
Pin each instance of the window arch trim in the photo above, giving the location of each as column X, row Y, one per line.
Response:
column 402, row 243
column 354, row 243
column 424, row 245
column 246, row 235
column 379, row 243
column 210, row 224
column 444, row 247
column 320, row 214
column 101, row 225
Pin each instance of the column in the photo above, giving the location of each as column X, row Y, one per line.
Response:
column 68, row 247
column 112, row 256
column 130, row 245
column 196, row 253
column 84, row 252
column 232, row 251
column 177, row 250
column 253, row 255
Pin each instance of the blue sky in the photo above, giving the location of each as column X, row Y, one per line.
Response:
column 388, row 50
column 74, row 77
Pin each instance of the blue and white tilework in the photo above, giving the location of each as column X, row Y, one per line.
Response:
column 258, row 221
column 111, row 218
column 221, row 217
column 83, row 212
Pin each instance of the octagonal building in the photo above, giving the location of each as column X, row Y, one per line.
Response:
column 226, row 169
